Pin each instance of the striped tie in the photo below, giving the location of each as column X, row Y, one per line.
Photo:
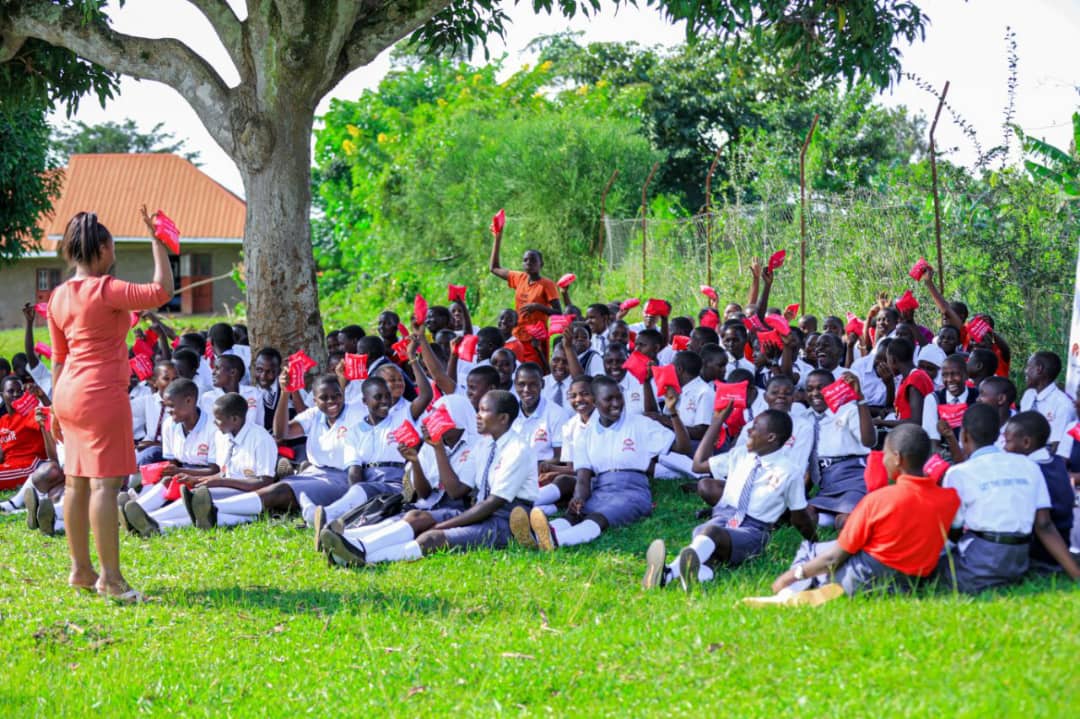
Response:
column 747, row 490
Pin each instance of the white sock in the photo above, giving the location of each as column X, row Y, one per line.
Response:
column 559, row 526
column 549, row 494
column 705, row 574
column 367, row 529
column 703, row 547
column 824, row 519
column 396, row 553
column 580, row 533
column 168, row 525
column 307, row 508
column 247, row 503
column 16, row 501
column 59, row 526
column 353, row 498
column 673, row 568
column 398, row 532
column 152, row 498
column 228, row 520
column 171, row 511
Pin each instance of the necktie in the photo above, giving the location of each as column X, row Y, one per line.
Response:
column 815, row 468
column 558, row 398
column 228, row 455
column 160, row 420
column 482, row 490
column 744, row 495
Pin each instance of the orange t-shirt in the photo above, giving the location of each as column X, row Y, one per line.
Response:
column 903, row 526
column 543, row 291
column 21, row 440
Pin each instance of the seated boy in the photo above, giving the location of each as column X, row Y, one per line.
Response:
column 1043, row 396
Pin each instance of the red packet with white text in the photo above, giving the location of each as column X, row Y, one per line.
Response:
column 978, row 328
column 43, row 350
column 875, row 474
column 657, row 308
column 679, row 343
column 557, row 324
column 710, row 293
column 907, row 302
column 919, row 269
column 637, row 364
column 770, row 339
column 753, row 323
column 666, row 377
column 952, row 413
column 466, row 349
column 566, row 280
column 438, row 423
column 299, row 364
column 537, row 331
column 401, row 350
column 777, row 259
column 355, row 366
column 42, row 308
column 838, row 394
column 456, row 293
column 142, row 347
column 25, row 404
column 629, row 304
column 731, row 393
column 935, row 468
column 406, row 434
column 419, row 309
column 151, row 473
column 166, row 231
column 142, row 367
column 778, row 323
column 710, row 319
column 498, row 222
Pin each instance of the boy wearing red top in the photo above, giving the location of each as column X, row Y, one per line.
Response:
column 21, row 445
column 894, row 536
column 535, row 297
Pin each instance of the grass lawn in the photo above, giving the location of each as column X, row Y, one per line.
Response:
column 251, row 622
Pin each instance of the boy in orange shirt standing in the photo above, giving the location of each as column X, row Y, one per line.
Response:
column 535, row 297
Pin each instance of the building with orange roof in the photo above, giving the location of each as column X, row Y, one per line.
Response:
column 115, row 186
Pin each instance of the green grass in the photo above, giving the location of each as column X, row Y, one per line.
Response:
column 251, row 622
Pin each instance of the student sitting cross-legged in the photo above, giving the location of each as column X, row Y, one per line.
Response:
column 761, row 483
column 504, row 472
column 246, row 456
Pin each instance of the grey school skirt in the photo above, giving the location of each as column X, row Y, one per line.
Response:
column 842, row 485
column 621, row 497
column 748, row 540
column 976, row 564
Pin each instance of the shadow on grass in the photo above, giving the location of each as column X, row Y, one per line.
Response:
column 317, row 602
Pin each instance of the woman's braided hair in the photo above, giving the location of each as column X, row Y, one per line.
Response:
column 84, row 239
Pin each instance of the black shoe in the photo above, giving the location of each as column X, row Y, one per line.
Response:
column 203, row 509
column 185, row 497
column 689, row 566
column 341, row 550
column 30, row 499
column 139, row 521
column 704, row 513
column 46, row 517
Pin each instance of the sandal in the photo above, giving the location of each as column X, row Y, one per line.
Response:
column 131, row 596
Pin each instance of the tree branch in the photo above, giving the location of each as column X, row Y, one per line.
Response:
column 166, row 60
column 10, row 44
column 228, row 27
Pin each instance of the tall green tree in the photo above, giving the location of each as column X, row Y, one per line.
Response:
column 119, row 137
column 28, row 181
column 290, row 53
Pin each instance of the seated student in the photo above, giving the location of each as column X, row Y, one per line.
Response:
column 460, row 321
column 1000, row 394
column 246, row 457
column 488, row 340
column 914, row 387
column 151, row 410
column 442, row 341
column 714, row 362
column 42, row 493
column 842, row 440
column 833, row 325
column 700, row 337
column 931, row 358
column 981, row 363
column 893, row 538
column 633, row 392
column 733, row 338
column 137, row 391
column 438, row 319
column 187, row 365
column 223, row 343
column 539, row 422
column 694, row 409
column 869, row 369
column 503, row 470
column 613, row 458
column 649, row 343
column 350, row 339
column 679, row 327
column 325, row 480
column 387, row 327
column 948, row 340
column 187, row 444
column 1027, row 433
column 557, row 479
column 557, row 382
column 1043, row 396
column 22, row 448
column 505, row 362
column 761, row 483
column 374, row 465
column 1069, row 448
column 196, row 342
column 598, row 318
column 997, row 345
column 591, row 360
column 228, row 369
column 264, row 374
column 954, row 394
column 1003, row 497
column 619, row 331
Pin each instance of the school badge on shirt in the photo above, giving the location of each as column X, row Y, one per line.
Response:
column 540, row 436
column 628, row 445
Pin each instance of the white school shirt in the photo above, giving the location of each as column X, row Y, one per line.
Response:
column 999, row 491
column 464, row 367
column 147, row 412
column 930, row 416
column 572, row 430
column 196, row 447
column 250, row 454
column 741, row 363
column 798, row 446
column 542, row 429
column 633, row 394
column 370, row 444
column 666, row 356
column 1053, row 404
column 873, row 388
column 695, row 402
column 461, row 461
column 42, row 376
column 325, row 442
column 551, row 385
column 839, row 433
column 204, row 376
column 632, row 442
column 1064, row 448
column 804, row 369
column 249, row 393
column 512, row 471
column 264, row 409
column 777, row 488
column 135, row 398
column 600, row 342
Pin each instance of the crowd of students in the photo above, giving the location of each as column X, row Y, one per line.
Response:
column 548, row 427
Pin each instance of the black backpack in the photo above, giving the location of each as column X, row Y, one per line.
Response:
column 375, row 510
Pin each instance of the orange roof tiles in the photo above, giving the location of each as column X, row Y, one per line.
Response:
column 115, row 186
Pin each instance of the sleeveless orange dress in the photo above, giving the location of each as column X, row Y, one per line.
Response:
column 88, row 322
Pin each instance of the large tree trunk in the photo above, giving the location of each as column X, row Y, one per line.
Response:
column 282, row 294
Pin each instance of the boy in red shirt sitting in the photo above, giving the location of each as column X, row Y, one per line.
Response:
column 893, row 537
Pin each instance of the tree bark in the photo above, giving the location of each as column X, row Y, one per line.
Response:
column 282, row 293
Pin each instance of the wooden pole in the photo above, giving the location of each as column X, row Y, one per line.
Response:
column 708, row 216
column 934, row 182
column 802, row 214
column 644, row 221
column 603, row 214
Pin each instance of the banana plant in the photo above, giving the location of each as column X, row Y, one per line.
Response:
column 1060, row 167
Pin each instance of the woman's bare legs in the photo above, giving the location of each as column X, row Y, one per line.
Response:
column 104, row 522
column 77, row 528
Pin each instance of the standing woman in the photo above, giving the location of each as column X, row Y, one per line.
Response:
column 89, row 317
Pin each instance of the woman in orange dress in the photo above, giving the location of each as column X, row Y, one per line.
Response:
column 89, row 318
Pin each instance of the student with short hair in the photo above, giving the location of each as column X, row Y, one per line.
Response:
column 761, row 485
column 228, row 370
column 733, row 338
column 981, row 363
column 1003, row 500
column 592, row 361
column 535, row 297
column 598, row 319
column 558, row 479
column 223, row 342
column 504, row 472
column 22, row 448
column 633, row 392
column 914, row 386
column 539, row 422
column 1043, row 396
column 557, row 381
column 1000, row 394
column 893, row 538
column 151, row 413
column 265, row 371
